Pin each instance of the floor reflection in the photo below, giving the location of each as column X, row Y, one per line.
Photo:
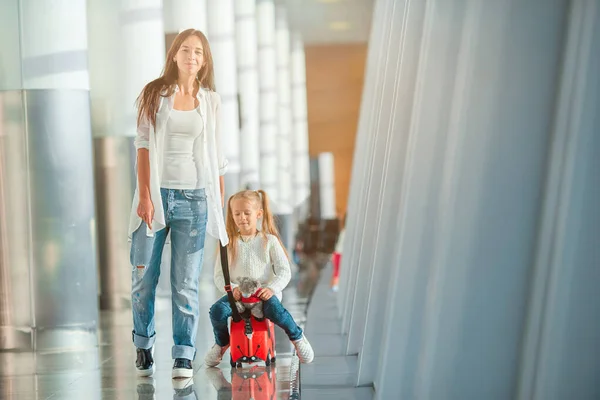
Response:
column 108, row 371
column 183, row 389
column 249, row 383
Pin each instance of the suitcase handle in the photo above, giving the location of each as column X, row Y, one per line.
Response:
column 225, row 265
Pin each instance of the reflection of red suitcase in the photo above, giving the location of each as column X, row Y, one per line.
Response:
column 257, row 383
column 252, row 341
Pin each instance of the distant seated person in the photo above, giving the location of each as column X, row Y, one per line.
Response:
column 336, row 258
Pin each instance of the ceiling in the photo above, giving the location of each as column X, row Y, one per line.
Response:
column 331, row 21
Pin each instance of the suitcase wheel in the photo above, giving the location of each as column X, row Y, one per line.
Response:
column 235, row 364
column 269, row 359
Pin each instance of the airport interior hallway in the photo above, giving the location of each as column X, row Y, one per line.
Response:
column 452, row 144
column 108, row 371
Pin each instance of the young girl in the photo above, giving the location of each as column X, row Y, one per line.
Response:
column 258, row 255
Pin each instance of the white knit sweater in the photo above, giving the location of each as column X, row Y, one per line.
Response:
column 267, row 264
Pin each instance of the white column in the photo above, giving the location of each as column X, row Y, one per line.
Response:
column 379, row 234
column 247, row 69
column 104, row 31
column 284, row 110
column 267, row 69
column 180, row 15
column 444, row 263
column 363, row 155
column 53, row 56
column 48, row 122
column 300, row 155
column 327, row 186
column 142, row 55
column 127, row 51
column 221, row 35
column 561, row 326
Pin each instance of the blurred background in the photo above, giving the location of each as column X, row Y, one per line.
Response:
column 433, row 165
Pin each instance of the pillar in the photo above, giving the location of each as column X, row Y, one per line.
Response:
column 363, row 156
column 477, row 250
column 327, row 186
column 180, row 15
column 465, row 241
column 267, row 70
column 48, row 229
column 247, row 73
column 221, row 35
column 120, row 66
column 300, row 155
column 284, row 125
column 384, row 197
column 16, row 294
column 560, row 328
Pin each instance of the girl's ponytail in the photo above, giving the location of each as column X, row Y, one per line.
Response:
column 268, row 223
column 232, row 232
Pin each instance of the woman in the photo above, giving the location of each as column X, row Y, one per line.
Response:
column 180, row 167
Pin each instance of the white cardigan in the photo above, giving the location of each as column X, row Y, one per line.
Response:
column 264, row 262
column 209, row 149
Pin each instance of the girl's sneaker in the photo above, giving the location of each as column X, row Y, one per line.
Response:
column 304, row 350
column 215, row 355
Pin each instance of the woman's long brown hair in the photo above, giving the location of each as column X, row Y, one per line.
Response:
column 260, row 200
column 149, row 99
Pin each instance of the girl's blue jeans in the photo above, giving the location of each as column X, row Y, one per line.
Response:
column 272, row 308
column 185, row 217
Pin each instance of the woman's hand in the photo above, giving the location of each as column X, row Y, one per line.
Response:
column 145, row 210
column 264, row 294
column 222, row 188
column 237, row 294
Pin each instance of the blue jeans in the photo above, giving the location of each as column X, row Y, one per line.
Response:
column 272, row 308
column 185, row 217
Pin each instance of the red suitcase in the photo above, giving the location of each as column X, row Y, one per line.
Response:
column 251, row 340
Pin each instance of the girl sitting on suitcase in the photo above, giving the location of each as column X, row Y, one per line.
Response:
column 260, row 255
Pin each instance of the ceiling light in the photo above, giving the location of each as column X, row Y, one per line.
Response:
column 339, row 25
column 328, row 1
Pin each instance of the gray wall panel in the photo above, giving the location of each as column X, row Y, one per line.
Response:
column 491, row 260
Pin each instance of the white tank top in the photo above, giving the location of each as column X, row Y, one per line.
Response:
column 181, row 170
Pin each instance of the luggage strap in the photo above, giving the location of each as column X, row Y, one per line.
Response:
column 225, row 265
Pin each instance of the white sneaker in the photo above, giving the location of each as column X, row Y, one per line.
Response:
column 215, row 355
column 304, row 350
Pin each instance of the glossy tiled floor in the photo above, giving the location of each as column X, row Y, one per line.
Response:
column 333, row 374
column 108, row 372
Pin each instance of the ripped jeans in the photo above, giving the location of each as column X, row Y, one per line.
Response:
column 273, row 309
column 185, row 217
